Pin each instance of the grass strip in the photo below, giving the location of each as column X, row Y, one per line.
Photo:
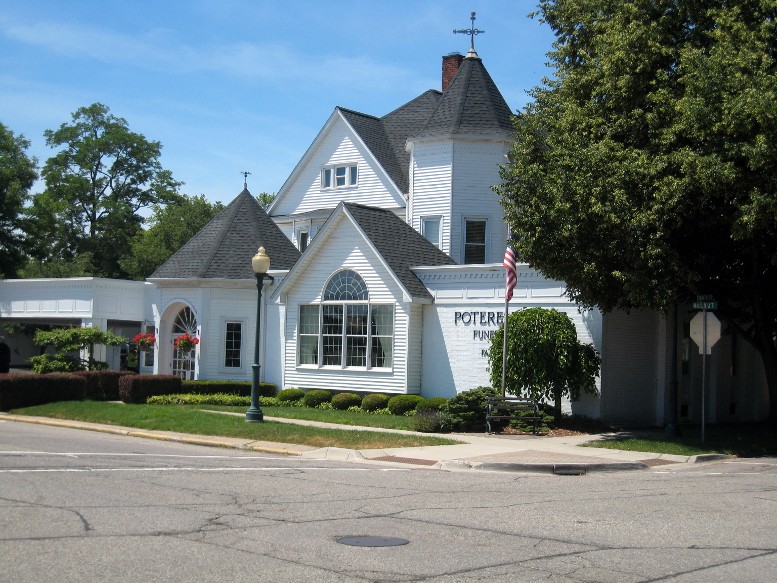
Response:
column 740, row 439
column 193, row 421
column 355, row 418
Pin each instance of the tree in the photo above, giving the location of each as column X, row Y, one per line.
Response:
column 95, row 187
column 645, row 172
column 265, row 199
column 69, row 341
column 170, row 227
column 17, row 175
column 545, row 360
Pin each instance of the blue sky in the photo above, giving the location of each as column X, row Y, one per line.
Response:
column 233, row 85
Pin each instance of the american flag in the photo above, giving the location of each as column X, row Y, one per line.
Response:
column 512, row 276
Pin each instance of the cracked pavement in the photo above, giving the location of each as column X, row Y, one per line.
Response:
column 84, row 506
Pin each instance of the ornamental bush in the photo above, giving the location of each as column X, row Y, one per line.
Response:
column 401, row 404
column 433, row 403
column 344, row 401
column 290, row 395
column 316, row 397
column 375, row 401
column 137, row 388
column 103, row 385
column 467, row 410
column 29, row 390
column 430, row 421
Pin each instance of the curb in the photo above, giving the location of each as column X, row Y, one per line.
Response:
column 562, row 469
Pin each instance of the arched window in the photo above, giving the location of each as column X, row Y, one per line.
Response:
column 345, row 330
column 183, row 360
column 185, row 322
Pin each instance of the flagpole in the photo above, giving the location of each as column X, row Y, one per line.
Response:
column 504, row 348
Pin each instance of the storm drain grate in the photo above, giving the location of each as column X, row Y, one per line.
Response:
column 404, row 460
column 372, row 541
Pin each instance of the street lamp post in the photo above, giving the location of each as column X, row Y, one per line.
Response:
column 260, row 264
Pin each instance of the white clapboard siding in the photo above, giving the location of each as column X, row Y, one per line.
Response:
column 337, row 146
column 431, row 186
column 346, row 249
column 475, row 172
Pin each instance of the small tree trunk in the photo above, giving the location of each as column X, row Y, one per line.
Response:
column 557, row 407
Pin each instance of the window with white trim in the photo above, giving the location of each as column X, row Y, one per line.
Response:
column 431, row 229
column 233, row 344
column 340, row 176
column 345, row 330
column 475, row 240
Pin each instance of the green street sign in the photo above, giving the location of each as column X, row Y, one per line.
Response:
column 704, row 302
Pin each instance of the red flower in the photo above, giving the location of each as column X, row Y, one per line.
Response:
column 144, row 340
column 186, row 342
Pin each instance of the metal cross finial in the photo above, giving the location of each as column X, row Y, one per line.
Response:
column 245, row 174
column 471, row 32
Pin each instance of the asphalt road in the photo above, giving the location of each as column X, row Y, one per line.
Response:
column 83, row 506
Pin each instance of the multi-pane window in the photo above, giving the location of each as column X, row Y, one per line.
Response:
column 430, row 229
column 233, row 342
column 148, row 354
column 474, row 241
column 340, row 176
column 346, row 329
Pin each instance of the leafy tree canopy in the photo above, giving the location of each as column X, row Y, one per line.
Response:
column 170, row 227
column 95, row 187
column 645, row 171
column 545, row 360
column 67, row 341
column 265, row 199
column 17, row 175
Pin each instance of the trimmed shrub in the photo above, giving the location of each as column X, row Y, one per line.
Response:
column 433, row 403
column 103, row 385
column 138, row 388
column 430, row 421
column 467, row 410
column 202, row 387
column 192, row 399
column 34, row 389
column 375, row 401
column 401, row 404
column 316, row 397
column 290, row 395
column 344, row 401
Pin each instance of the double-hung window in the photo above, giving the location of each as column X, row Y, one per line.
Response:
column 346, row 330
column 474, row 241
column 233, row 344
column 340, row 176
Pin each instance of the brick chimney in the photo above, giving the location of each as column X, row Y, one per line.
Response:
column 450, row 65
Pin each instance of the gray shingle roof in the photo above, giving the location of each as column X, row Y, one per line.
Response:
column 472, row 104
column 223, row 248
column 401, row 246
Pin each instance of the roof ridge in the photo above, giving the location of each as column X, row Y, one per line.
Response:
column 214, row 249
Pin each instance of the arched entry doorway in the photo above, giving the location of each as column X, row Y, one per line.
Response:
column 184, row 360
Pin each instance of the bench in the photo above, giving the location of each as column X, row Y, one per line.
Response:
column 512, row 408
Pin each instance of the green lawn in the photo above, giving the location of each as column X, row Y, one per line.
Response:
column 187, row 419
column 740, row 439
column 362, row 419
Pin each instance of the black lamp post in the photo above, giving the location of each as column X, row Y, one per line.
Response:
column 260, row 264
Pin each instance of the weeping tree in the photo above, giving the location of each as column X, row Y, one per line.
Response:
column 545, row 360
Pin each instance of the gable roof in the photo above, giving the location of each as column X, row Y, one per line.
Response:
column 223, row 248
column 399, row 244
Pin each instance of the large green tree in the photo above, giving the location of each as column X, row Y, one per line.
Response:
column 645, row 171
column 96, row 184
column 17, row 175
column 170, row 226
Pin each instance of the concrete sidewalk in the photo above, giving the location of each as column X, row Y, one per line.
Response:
column 506, row 453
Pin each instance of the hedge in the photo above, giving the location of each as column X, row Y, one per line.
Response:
column 138, row 388
column 102, row 385
column 401, row 404
column 316, row 397
column 28, row 390
column 242, row 388
column 343, row 401
column 375, row 401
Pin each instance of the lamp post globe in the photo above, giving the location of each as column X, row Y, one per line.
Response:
column 260, row 263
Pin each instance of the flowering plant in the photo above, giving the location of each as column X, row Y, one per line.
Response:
column 144, row 341
column 186, row 342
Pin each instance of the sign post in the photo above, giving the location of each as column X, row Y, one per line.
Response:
column 705, row 332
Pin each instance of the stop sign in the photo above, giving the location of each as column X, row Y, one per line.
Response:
column 697, row 330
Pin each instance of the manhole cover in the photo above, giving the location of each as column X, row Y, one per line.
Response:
column 372, row 541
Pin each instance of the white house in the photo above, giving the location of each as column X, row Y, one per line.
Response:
column 386, row 243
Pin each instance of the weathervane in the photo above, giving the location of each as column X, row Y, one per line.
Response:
column 471, row 32
column 245, row 174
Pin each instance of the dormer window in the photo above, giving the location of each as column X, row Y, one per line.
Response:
column 340, row 176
